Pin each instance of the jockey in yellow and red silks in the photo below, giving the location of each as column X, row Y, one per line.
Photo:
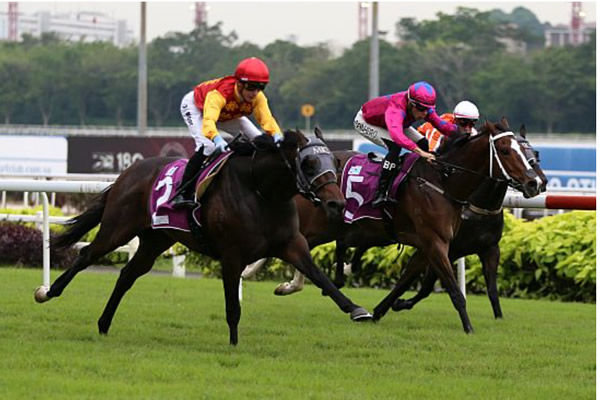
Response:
column 224, row 103
column 390, row 117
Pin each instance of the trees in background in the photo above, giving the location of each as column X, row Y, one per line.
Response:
column 464, row 55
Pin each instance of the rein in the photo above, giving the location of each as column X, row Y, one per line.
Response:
column 303, row 184
column 453, row 167
column 493, row 156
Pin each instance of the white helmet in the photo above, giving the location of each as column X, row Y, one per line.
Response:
column 466, row 110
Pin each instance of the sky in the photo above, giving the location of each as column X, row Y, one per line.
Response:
column 308, row 22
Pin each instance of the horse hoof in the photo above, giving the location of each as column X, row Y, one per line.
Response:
column 400, row 305
column 359, row 314
column 41, row 294
column 286, row 288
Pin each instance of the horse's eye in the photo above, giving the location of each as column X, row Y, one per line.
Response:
column 505, row 151
column 310, row 165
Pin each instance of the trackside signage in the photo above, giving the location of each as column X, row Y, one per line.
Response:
column 33, row 155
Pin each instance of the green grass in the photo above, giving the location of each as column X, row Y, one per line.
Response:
column 169, row 340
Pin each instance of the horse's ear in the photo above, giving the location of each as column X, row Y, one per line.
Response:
column 489, row 125
column 523, row 131
column 504, row 121
column 318, row 133
column 302, row 139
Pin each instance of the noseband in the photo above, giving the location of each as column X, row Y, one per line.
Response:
column 494, row 153
column 305, row 181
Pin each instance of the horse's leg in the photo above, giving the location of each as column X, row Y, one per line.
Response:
column 298, row 254
column 411, row 272
column 490, row 258
column 438, row 257
column 356, row 262
column 109, row 237
column 252, row 269
column 340, row 261
column 231, row 280
column 152, row 244
column 293, row 286
column 425, row 291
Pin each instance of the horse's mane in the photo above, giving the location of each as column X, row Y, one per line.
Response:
column 450, row 144
column 244, row 147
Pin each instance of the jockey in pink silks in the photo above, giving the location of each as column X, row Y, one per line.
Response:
column 390, row 117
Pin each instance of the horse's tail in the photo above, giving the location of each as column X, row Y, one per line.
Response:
column 83, row 223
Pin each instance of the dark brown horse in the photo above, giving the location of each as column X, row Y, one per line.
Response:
column 248, row 213
column 479, row 233
column 429, row 205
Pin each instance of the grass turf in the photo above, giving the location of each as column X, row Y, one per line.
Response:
column 169, row 340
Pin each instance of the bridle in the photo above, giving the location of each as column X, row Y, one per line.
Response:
column 324, row 159
column 494, row 156
column 305, row 180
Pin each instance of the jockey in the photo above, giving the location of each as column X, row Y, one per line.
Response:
column 465, row 115
column 390, row 117
column 224, row 103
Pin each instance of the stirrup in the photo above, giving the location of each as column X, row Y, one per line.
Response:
column 181, row 202
column 381, row 200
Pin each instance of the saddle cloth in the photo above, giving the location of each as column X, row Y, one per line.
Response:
column 162, row 213
column 360, row 178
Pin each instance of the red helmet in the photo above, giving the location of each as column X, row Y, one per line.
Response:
column 252, row 70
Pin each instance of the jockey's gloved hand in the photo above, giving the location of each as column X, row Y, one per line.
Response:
column 423, row 144
column 277, row 137
column 220, row 144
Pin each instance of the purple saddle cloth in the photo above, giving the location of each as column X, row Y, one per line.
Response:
column 162, row 213
column 359, row 184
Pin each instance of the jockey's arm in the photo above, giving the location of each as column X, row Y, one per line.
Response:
column 445, row 127
column 213, row 104
column 394, row 120
column 263, row 115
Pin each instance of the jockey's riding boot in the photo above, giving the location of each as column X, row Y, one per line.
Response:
column 185, row 198
column 390, row 163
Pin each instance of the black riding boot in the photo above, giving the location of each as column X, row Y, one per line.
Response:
column 185, row 197
column 390, row 162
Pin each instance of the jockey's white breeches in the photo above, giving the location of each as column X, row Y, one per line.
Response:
column 193, row 119
column 376, row 133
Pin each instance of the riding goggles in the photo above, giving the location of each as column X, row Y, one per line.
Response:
column 252, row 86
column 419, row 107
column 465, row 122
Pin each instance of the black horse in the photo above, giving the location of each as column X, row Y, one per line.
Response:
column 429, row 206
column 247, row 213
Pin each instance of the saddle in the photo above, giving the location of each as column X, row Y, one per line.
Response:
column 360, row 177
column 162, row 214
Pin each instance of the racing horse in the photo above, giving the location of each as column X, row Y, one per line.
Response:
column 429, row 205
column 479, row 233
column 247, row 213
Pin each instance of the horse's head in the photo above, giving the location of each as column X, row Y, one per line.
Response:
column 533, row 157
column 308, row 160
column 316, row 174
column 508, row 160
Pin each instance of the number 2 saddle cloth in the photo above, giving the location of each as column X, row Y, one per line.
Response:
column 162, row 213
column 360, row 178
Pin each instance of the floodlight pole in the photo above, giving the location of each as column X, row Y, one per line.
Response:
column 142, row 113
column 374, row 54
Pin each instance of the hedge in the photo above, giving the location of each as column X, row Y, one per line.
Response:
column 552, row 257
